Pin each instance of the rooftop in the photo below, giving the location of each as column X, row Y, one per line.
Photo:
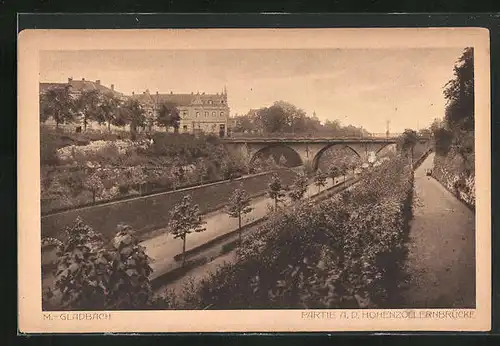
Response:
column 81, row 85
column 181, row 99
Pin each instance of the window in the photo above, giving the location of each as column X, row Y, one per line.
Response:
column 206, row 114
column 197, row 114
column 221, row 114
column 185, row 127
column 184, row 114
column 222, row 101
column 213, row 114
column 210, row 102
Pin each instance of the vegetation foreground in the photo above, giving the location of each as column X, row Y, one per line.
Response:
column 344, row 252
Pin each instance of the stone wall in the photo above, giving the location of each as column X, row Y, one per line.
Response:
column 451, row 171
column 152, row 212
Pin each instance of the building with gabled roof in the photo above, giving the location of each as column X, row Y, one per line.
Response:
column 199, row 112
column 77, row 86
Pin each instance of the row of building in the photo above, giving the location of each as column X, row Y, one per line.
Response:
column 199, row 112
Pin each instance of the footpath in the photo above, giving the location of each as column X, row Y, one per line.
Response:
column 441, row 259
column 162, row 248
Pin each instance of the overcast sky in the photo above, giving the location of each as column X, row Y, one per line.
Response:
column 359, row 87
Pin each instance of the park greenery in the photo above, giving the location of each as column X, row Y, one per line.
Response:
column 454, row 163
column 77, row 169
column 346, row 251
column 89, row 166
column 92, row 274
column 284, row 117
column 342, row 251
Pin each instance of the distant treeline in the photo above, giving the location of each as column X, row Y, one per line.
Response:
column 286, row 118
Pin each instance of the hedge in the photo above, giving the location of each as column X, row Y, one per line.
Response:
column 343, row 252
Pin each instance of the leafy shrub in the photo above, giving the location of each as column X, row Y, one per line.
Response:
column 92, row 275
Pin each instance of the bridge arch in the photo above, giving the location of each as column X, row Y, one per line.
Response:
column 317, row 157
column 385, row 145
column 291, row 154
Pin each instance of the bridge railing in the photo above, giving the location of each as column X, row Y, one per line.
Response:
column 277, row 135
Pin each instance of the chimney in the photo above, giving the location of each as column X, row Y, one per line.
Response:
column 171, row 92
column 98, row 82
column 133, row 93
column 70, row 79
column 156, row 92
column 147, row 91
column 113, row 87
column 83, row 79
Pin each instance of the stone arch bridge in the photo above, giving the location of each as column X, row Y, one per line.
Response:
column 308, row 149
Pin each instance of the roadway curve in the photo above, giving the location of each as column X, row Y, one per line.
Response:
column 441, row 259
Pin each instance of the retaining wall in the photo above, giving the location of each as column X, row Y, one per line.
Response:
column 152, row 212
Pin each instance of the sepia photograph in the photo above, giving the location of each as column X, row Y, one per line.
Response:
column 338, row 181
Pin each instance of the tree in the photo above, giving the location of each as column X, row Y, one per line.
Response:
column 168, row 116
column 239, row 204
column 407, row 142
column 296, row 119
column 275, row 190
column 185, row 219
column 202, row 168
column 459, row 93
column 343, row 170
column 273, row 119
column 93, row 183
column 59, row 104
column 133, row 114
column 299, row 188
column 88, row 103
column 108, row 109
column 319, row 179
column 435, row 125
column 244, row 123
column 137, row 177
column 424, row 133
column 332, row 127
column 177, row 173
column 333, row 172
column 93, row 275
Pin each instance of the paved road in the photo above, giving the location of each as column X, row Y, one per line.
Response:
column 441, row 260
column 164, row 247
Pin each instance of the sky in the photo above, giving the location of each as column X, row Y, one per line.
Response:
column 361, row 87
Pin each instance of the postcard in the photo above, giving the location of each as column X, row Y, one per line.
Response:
column 254, row 180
